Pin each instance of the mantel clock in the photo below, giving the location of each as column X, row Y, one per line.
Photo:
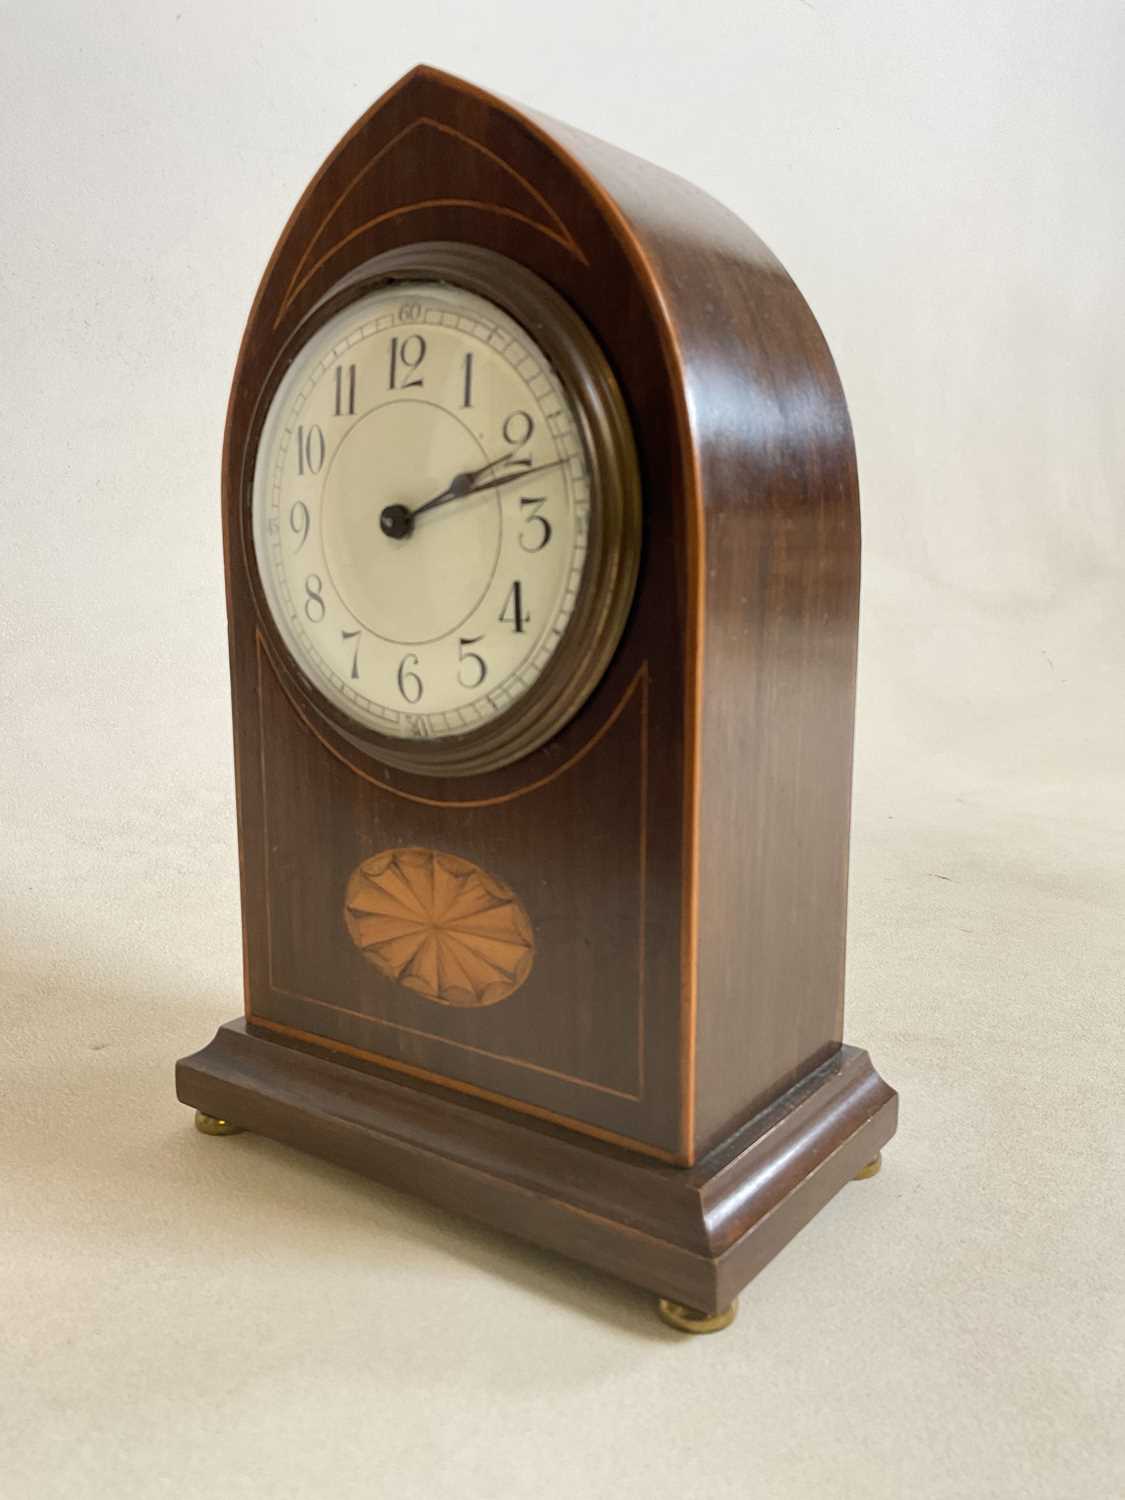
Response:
column 542, row 550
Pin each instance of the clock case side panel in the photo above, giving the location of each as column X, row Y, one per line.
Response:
column 519, row 197
column 779, row 675
column 777, row 571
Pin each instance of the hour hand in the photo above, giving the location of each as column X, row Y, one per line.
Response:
column 398, row 520
column 461, row 484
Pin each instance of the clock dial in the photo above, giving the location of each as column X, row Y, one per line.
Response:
column 421, row 510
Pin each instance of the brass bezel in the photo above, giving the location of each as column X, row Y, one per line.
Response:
column 614, row 543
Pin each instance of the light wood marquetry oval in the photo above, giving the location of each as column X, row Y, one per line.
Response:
column 440, row 926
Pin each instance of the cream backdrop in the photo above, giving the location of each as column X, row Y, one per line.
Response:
column 189, row 1317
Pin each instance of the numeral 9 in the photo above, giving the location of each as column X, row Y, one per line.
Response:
column 299, row 522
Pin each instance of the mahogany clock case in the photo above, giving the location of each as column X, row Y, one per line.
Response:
column 675, row 853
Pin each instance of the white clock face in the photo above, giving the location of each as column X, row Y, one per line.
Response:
column 421, row 508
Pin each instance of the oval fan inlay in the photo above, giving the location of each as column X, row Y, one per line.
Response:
column 440, row 926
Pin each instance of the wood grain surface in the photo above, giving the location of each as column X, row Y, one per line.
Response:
column 680, row 847
column 697, row 1234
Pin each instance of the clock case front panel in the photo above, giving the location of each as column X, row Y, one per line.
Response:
column 586, row 831
column 680, row 847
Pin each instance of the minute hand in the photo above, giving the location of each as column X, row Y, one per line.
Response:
column 479, row 489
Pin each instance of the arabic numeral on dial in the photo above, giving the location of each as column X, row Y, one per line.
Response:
column 534, row 540
column 356, row 636
column 299, row 522
column 314, row 603
column 517, row 429
column 405, row 359
column 310, row 450
column 409, row 683
column 468, row 388
column 417, row 726
column 513, row 613
column 345, row 391
column 409, row 312
column 477, row 666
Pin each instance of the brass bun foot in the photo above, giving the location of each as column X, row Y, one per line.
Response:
column 691, row 1320
column 871, row 1169
column 211, row 1126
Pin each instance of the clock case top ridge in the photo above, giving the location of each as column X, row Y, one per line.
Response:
column 695, row 809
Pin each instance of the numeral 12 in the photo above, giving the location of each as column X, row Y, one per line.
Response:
column 406, row 356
